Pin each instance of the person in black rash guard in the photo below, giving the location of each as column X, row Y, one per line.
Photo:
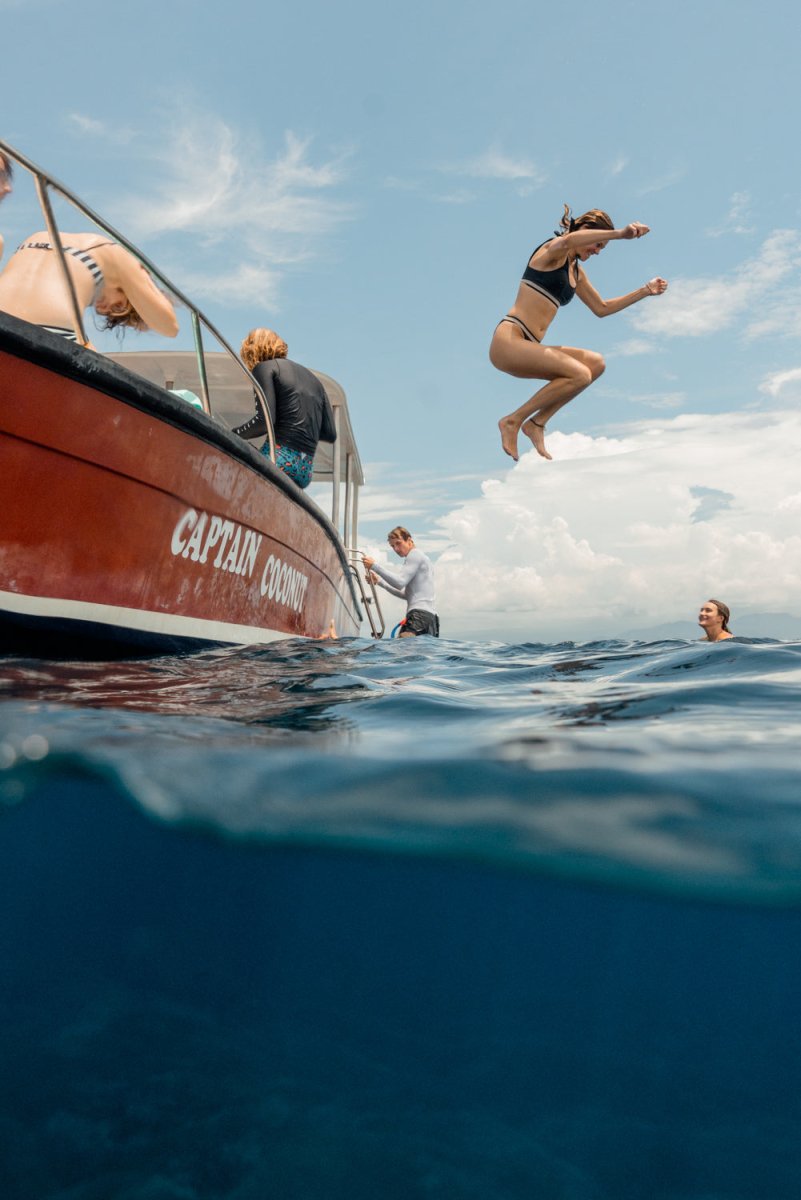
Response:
column 551, row 278
column 299, row 407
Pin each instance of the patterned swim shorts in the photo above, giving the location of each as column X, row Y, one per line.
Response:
column 297, row 464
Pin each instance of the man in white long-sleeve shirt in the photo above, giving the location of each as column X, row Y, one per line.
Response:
column 414, row 583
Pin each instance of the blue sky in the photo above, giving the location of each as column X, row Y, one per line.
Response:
column 370, row 179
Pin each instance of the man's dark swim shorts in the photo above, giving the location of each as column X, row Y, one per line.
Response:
column 418, row 622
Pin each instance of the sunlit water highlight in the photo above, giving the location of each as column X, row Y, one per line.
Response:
column 405, row 919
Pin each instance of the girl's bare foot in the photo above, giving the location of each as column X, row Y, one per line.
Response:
column 536, row 432
column 509, row 431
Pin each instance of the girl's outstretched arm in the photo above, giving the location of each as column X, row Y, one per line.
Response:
column 605, row 308
column 580, row 239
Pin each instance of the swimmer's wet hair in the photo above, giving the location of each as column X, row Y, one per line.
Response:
column 401, row 532
column 724, row 611
column 261, row 344
column 6, row 167
column 595, row 218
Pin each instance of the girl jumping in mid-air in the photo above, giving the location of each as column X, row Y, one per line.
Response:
column 551, row 278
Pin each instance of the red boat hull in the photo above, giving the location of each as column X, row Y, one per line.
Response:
column 127, row 513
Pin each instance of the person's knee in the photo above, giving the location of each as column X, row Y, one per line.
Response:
column 581, row 376
column 597, row 365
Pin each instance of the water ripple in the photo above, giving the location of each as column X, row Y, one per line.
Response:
column 668, row 765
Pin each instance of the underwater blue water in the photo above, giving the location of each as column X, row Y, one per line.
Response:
column 403, row 919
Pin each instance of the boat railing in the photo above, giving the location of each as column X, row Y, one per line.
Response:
column 45, row 184
column 367, row 592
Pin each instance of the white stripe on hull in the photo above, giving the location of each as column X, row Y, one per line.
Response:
column 169, row 624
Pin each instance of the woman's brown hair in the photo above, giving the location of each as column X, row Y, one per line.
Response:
column 127, row 316
column 724, row 611
column 261, row 344
column 595, row 218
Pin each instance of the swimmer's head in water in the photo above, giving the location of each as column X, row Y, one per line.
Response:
column 714, row 612
column 261, row 344
column 725, row 613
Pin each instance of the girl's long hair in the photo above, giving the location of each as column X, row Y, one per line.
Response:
column 595, row 218
column 129, row 317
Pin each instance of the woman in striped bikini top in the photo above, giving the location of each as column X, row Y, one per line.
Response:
column 104, row 276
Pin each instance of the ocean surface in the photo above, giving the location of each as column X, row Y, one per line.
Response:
column 402, row 920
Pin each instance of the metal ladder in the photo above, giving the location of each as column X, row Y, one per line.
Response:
column 368, row 593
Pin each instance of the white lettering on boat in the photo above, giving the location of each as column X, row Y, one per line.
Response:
column 281, row 582
column 196, row 535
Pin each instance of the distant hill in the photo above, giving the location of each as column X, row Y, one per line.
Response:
column 783, row 626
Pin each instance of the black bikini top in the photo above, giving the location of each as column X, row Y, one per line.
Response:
column 554, row 285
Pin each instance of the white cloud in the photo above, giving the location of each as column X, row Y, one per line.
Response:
column 632, row 531
column 736, row 219
column 413, row 495
column 378, row 504
column 697, row 307
column 776, row 382
column 88, row 124
column 416, row 187
column 401, row 183
column 660, row 400
column 253, row 214
column 460, row 197
column 211, row 186
column 246, row 284
column 617, row 166
column 632, row 347
column 494, row 164
column 694, row 307
column 669, row 179
column 780, row 318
